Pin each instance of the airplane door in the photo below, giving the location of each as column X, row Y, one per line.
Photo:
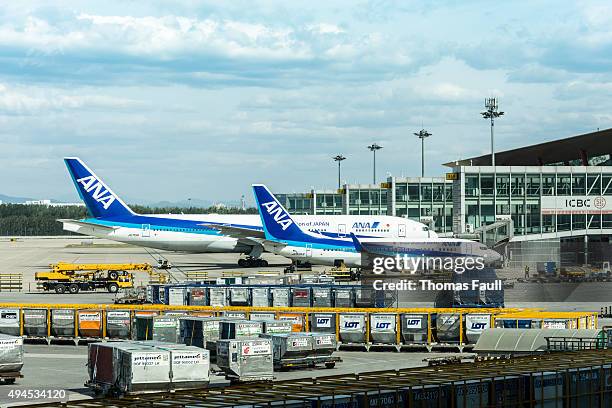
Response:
column 146, row 230
column 401, row 230
column 342, row 230
column 308, row 250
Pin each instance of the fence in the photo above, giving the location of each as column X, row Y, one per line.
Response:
column 11, row 282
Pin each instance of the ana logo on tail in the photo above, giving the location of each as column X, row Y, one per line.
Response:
column 276, row 211
column 97, row 191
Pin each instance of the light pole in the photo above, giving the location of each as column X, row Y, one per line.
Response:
column 374, row 147
column 423, row 134
column 339, row 159
column 491, row 112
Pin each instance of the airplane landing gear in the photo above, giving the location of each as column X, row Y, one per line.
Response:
column 251, row 262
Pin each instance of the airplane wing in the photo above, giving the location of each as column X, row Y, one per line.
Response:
column 87, row 224
column 235, row 231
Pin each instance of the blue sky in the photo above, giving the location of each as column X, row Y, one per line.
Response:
column 180, row 99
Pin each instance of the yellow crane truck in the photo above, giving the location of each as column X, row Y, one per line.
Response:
column 74, row 278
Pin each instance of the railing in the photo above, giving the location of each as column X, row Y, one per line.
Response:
column 11, row 282
column 575, row 344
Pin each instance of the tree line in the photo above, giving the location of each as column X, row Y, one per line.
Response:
column 41, row 220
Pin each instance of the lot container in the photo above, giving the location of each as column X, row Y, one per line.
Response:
column 89, row 323
column 323, row 322
column 118, row 324
column 198, row 296
column 322, row 297
column 260, row 297
column 297, row 320
column 11, row 354
column 262, row 316
column 238, row 329
column 177, row 296
column 301, row 297
column 448, row 327
column 383, row 328
column 217, row 296
column 352, row 328
column 475, row 324
column 414, row 328
column 277, row 326
column 35, row 322
column 280, row 297
column 246, row 359
column 239, row 296
column 10, row 321
column 344, row 297
column 62, row 322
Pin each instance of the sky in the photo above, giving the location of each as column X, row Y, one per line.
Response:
column 167, row 100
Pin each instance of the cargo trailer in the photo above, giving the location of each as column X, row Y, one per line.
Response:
column 246, row 360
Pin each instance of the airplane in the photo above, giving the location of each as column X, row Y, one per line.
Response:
column 112, row 219
column 285, row 237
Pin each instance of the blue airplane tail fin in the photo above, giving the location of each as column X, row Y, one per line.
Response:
column 356, row 243
column 277, row 221
column 100, row 200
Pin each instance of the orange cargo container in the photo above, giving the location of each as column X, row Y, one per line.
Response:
column 90, row 323
column 297, row 320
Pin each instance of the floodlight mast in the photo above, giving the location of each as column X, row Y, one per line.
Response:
column 374, row 147
column 491, row 112
column 423, row 134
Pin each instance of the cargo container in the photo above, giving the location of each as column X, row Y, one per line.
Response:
column 428, row 396
column 160, row 328
column 322, row 297
column 277, row 326
column 10, row 321
column 383, row 328
column 545, row 389
column 177, row 296
column 260, row 297
column 280, row 297
column 217, row 296
column 131, row 367
column 380, row 398
column 118, row 324
column 322, row 322
column 125, row 367
column 246, row 360
column 414, row 328
column 323, row 344
column 11, row 358
column 198, row 296
column 475, row 324
column 161, row 297
column 239, row 296
column 301, row 297
column 448, row 327
column 290, row 346
column 471, row 393
column 262, row 316
column 238, row 329
column 297, row 320
column 62, row 323
column 505, row 391
column 364, row 297
column 352, row 328
column 201, row 332
column 89, row 323
column 201, row 314
column 344, row 297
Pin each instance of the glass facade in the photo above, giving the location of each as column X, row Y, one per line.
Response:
column 297, row 203
column 517, row 192
column 423, row 199
column 365, row 199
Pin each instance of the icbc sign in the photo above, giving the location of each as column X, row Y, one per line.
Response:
column 576, row 205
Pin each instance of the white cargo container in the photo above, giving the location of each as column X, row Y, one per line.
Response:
column 383, row 328
column 352, row 328
column 246, row 360
column 10, row 320
column 11, row 357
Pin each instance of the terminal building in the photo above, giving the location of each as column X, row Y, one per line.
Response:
column 550, row 202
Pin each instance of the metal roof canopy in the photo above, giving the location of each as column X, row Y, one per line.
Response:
column 562, row 150
column 356, row 384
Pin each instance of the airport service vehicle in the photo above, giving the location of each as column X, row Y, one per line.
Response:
column 112, row 219
column 89, row 277
column 285, row 237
